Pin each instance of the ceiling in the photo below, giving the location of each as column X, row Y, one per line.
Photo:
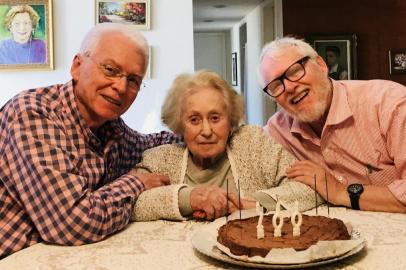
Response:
column 218, row 15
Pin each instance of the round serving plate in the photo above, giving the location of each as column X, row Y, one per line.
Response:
column 204, row 241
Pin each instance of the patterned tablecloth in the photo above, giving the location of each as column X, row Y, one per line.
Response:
column 167, row 245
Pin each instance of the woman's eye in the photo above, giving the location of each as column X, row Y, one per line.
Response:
column 215, row 118
column 194, row 120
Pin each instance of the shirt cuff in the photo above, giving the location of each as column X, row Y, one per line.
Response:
column 184, row 201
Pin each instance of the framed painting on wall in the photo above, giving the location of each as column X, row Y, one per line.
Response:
column 133, row 12
column 397, row 61
column 339, row 53
column 234, row 73
column 26, row 36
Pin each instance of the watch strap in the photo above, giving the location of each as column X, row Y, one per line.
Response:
column 354, row 198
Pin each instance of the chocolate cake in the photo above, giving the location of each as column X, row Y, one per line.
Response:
column 240, row 236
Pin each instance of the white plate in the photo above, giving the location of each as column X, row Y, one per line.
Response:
column 204, row 241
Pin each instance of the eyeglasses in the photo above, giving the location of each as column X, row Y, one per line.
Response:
column 114, row 73
column 293, row 73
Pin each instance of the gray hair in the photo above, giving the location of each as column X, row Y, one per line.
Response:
column 279, row 46
column 92, row 38
column 185, row 84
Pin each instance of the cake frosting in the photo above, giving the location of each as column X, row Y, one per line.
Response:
column 240, row 236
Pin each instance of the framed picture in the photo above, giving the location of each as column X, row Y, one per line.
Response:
column 397, row 61
column 134, row 12
column 234, row 73
column 26, row 39
column 339, row 52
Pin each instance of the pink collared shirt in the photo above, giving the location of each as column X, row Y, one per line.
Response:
column 364, row 139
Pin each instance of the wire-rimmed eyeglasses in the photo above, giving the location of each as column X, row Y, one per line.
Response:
column 293, row 73
column 114, row 73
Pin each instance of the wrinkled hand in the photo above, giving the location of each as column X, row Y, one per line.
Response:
column 248, row 204
column 213, row 201
column 151, row 180
column 304, row 171
column 245, row 204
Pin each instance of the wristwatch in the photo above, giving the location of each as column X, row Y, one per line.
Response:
column 355, row 191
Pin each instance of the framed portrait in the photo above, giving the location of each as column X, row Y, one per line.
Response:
column 339, row 52
column 26, row 35
column 234, row 73
column 397, row 61
column 133, row 12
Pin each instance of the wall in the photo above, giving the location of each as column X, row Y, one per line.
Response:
column 171, row 38
column 378, row 24
column 234, row 43
column 255, row 41
column 270, row 105
column 258, row 33
column 212, row 52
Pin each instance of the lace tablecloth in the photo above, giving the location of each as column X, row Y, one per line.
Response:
column 166, row 245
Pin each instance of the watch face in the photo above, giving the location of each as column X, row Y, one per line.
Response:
column 355, row 189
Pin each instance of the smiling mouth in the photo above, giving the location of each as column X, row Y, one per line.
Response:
column 112, row 100
column 295, row 100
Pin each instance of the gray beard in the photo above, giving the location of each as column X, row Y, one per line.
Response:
column 314, row 116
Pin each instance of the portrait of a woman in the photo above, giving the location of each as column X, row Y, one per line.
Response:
column 22, row 48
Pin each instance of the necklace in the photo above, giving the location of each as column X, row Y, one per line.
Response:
column 22, row 59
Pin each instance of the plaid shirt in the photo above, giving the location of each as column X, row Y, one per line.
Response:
column 59, row 182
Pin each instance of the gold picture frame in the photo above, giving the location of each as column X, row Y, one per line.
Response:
column 31, row 46
column 133, row 12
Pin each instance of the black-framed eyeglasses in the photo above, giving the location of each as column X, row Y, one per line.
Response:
column 114, row 73
column 293, row 73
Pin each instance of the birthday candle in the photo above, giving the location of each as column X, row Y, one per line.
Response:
column 296, row 224
column 260, row 227
column 277, row 221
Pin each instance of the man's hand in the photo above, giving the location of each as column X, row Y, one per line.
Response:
column 213, row 201
column 151, row 180
column 304, row 171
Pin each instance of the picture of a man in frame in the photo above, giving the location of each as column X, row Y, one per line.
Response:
column 336, row 55
column 22, row 34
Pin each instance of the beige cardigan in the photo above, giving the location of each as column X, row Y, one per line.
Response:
column 257, row 162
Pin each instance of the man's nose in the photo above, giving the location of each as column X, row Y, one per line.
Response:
column 121, row 84
column 290, row 86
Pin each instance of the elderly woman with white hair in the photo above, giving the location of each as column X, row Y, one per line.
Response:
column 222, row 165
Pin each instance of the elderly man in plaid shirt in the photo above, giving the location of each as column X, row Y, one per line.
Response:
column 66, row 173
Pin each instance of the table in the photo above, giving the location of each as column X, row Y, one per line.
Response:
column 166, row 245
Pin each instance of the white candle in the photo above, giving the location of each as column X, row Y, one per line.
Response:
column 296, row 224
column 277, row 221
column 260, row 227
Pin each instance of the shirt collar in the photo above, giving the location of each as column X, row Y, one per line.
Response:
column 340, row 109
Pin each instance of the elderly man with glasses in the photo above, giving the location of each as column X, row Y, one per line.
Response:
column 348, row 135
column 66, row 173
